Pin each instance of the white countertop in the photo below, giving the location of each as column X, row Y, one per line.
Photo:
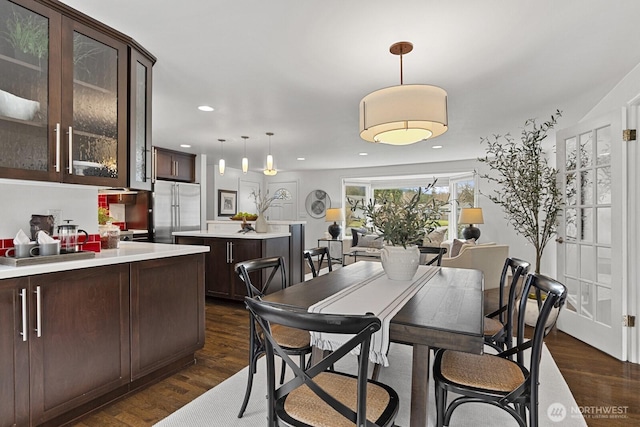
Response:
column 127, row 252
column 251, row 235
column 226, row 221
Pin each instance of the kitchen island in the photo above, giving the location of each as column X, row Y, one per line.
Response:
column 229, row 246
column 75, row 335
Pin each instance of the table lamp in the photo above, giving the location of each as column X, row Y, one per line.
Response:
column 335, row 215
column 471, row 216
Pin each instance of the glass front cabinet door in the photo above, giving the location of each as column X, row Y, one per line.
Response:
column 63, row 98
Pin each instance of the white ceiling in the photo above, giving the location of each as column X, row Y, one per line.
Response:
column 300, row 68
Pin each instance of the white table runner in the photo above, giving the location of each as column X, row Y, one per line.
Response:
column 377, row 295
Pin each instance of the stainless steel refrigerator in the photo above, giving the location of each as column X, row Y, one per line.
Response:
column 176, row 207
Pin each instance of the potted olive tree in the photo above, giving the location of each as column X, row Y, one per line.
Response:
column 402, row 220
column 528, row 189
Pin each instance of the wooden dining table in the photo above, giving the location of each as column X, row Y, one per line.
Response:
column 447, row 312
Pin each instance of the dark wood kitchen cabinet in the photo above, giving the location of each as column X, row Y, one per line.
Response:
column 64, row 112
column 167, row 317
column 81, row 350
column 14, row 353
column 175, row 165
column 220, row 277
column 74, row 340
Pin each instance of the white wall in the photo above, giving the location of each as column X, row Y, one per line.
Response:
column 21, row 199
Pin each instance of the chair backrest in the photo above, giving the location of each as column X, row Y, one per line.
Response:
column 431, row 250
column 551, row 296
column 271, row 266
column 518, row 270
column 361, row 326
column 321, row 252
column 481, row 257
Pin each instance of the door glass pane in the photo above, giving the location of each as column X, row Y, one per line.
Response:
column 141, row 123
column 604, row 266
column 571, row 227
column 571, row 257
column 604, row 226
column 95, row 107
column 586, row 300
column 572, row 154
column 572, row 189
column 572, row 294
column 603, row 187
column 586, row 150
column 24, row 88
column 603, row 309
column 587, row 263
column 603, row 146
column 587, row 225
column 586, row 187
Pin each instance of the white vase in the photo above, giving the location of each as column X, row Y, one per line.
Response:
column 400, row 263
column 261, row 225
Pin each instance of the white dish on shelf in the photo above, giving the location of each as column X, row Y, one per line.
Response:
column 79, row 166
column 16, row 107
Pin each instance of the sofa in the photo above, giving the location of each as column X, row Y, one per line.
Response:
column 486, row 257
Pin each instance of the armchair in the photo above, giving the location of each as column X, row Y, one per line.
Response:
column 487, row 257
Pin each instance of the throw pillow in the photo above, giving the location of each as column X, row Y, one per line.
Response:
column 370, row 241
column 434, row 238
column 357, row 233
column 457, row 245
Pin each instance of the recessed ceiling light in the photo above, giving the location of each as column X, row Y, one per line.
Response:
column 301, row 158
column 205, row 108
column 436, row 146
column 185, row 146
column 363, row 154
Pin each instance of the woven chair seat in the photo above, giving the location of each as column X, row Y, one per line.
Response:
column 492, row 326
column 290, row 337
column 303, row 405
column 481, row 371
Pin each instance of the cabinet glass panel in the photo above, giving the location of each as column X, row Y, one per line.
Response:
column 95, row 108
column 24, row 89
column 141, row 123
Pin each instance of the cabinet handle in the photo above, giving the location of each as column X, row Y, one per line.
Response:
column 57, row 131
column 70, row 150
column 177, row 173
column 38, row 312
column 154, row 167
column 23, row 298
column 227, row 247
column 230, row 252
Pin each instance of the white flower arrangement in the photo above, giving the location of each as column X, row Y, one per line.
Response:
column 264, row 202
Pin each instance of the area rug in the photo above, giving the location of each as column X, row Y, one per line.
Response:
column 219, row 406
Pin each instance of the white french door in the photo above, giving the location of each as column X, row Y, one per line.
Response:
column 591, row 249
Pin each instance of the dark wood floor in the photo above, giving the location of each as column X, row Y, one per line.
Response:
column 597, row 381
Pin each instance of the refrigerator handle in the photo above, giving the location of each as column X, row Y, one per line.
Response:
column 178, row 221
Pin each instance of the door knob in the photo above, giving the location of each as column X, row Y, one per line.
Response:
column 560, row 240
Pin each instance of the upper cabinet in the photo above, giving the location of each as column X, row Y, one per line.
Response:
column 64, row 98
column 175, row 165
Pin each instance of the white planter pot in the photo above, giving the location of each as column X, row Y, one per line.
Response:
column 531, row 314
column 400, row 263
column 261, row 225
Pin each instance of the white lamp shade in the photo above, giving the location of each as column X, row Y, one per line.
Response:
column 334, row 215
column 471, row 216
column 221, row 165
column 269, row 161
column 402, row 115
column 245, row 165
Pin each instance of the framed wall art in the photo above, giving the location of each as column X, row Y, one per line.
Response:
column 227, row 202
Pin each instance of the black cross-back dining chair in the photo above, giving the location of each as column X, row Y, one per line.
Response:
column 496, row 379
column 295, row 342
column 321, row 253
column 498, row 325
column 317, row 396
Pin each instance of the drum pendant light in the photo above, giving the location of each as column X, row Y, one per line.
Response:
column 221, row 163
column 245, row 160
column 405, row 114
column 270, row 171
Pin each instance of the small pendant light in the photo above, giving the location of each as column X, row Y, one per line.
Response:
column 221, row 163
column 245, row 160
column 270, row 171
